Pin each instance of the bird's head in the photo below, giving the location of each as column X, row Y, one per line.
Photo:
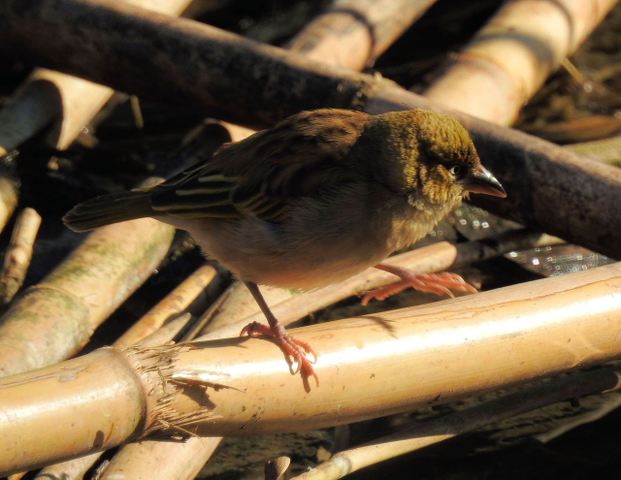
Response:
column 427, row 155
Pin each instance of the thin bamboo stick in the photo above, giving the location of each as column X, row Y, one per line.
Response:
column 422, row 434
column 546, row 185
column 170, row 306
column 449, row 349
column 512, row 55
column 18, row 253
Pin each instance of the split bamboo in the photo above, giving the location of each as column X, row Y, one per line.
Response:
column 449, row 349
column 546, row 185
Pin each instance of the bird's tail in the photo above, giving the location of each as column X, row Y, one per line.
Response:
column 107, row 209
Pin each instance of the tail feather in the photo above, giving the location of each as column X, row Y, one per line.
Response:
column 107, row 209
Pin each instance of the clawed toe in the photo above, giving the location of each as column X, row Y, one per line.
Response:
column 444, row 283
column 296, row 351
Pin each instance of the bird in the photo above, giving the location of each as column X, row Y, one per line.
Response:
column 319, row 197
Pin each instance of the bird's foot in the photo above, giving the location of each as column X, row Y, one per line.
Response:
column 445, row 283
column 296, row 351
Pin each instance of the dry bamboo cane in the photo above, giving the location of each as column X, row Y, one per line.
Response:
column 18, row 253
column 353, row 33
column 53, row 319
column 546, row 185
column 236, row 308
column 349, row 34
column 144, row 331
column 422, row 434
column 512, row 55
column 48, row 96
column 242, row 386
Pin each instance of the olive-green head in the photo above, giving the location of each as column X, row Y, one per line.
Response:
column 427, row 154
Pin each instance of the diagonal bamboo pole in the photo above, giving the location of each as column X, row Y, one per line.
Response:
column 449, row 349
column 512, row 55
column 546, row 185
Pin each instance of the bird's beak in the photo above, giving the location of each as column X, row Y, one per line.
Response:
column 482, row 181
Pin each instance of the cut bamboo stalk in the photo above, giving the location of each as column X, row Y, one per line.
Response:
column 512, row 55
column 353, row 33
column 546, row 185
column 170, row 306
column 18, row 253
column 53, row 319
column 148, row 331
column 449, row 349
column 236, row 308
column 78, row 467
column 422, row 434
column 48, row 96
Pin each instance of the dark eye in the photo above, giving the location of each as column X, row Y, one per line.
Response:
column 456, row 170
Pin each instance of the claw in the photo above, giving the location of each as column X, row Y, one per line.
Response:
column 444, row 283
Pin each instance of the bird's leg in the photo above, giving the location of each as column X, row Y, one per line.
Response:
column 444, row 283
column 294, row 350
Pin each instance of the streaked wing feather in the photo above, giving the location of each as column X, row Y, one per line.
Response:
column 257, row 176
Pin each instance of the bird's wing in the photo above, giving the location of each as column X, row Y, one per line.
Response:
column 305, row 155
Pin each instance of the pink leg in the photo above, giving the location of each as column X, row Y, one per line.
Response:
column 444, row 283
column 295, row 351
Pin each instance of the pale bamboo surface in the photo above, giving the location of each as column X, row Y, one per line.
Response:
column 353, row 33
column 512, row 55
column 170, row 306
column 422, row 434
column 53, row 319
column 449, row 349
column 546, row 185
column 49, row 97
column 18, row 253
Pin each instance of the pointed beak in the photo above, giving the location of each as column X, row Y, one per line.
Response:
column 482, row 181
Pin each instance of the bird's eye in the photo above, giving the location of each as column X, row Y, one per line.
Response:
column 456, row 170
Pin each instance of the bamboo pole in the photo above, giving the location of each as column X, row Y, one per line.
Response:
column 56, row 317
column 353, row 33
column 236, row 308
column 512, row 55
column 19, row 253
column 47, row 97
column 546, row 185
column 506, row 336
column 422, row 434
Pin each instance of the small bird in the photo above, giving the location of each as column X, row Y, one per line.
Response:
column 319, row 197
